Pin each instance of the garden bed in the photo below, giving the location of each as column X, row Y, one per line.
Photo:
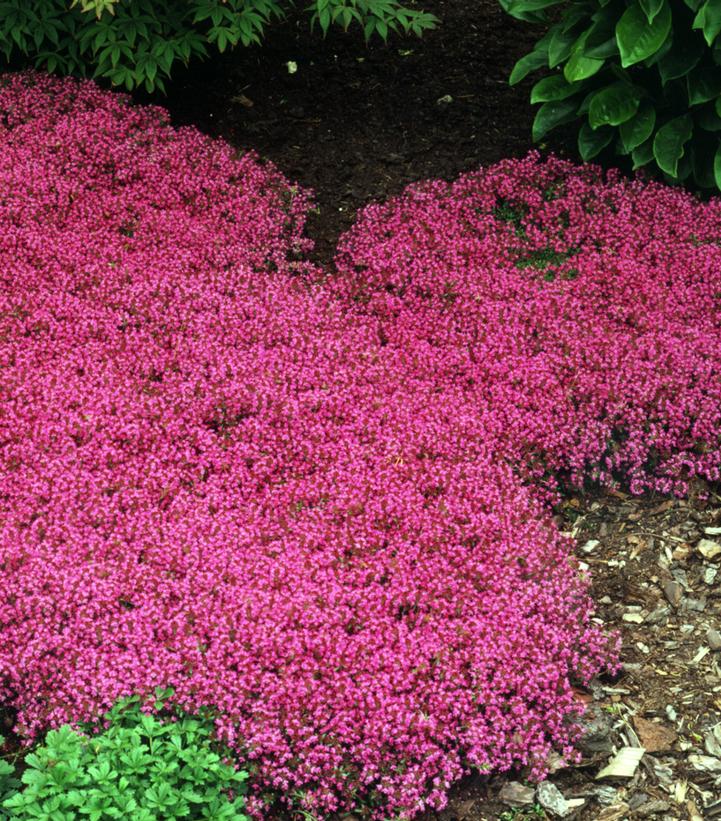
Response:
column 356, row 126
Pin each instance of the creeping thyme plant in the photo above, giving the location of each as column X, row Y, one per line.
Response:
column 321, row 504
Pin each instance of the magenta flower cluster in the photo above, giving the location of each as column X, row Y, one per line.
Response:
column 318, row 503
column 581, row 315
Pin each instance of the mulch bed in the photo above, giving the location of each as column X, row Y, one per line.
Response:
column 357, row 123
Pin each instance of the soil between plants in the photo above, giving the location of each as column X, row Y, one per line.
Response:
column 356, row 124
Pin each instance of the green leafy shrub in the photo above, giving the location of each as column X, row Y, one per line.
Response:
column 8, row 782
column 642, row 77
column 139, row 767
column 136, row 43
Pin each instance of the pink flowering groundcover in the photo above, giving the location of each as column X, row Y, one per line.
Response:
column 319, row 503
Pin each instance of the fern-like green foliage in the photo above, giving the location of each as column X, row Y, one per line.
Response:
column 139, row 767
column 640, row 77
column 8, row 781
column 135, row 43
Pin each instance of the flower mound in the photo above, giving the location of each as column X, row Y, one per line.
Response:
column 581, row 315
column 218, row 476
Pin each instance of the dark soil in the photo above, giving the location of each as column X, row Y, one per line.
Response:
column 357, row 123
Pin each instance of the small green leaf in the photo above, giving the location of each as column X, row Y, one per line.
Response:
column 637, row 38
column 324, row 19
column 18, row 802
column 668, row 145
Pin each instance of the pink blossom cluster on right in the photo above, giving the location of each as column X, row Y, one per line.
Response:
column 582, row 314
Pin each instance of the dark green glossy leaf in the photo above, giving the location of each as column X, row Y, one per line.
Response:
column 527, row 64
column 642, row 155
column 651, row 8
column 685, row 169
column 552, row 114
column 669, row 143
column 657, row 56
column 591, row 142
column 613, row 105
column 579, row 67
column 527, row 10
column 560, row 46
column 551, row 88
column 637, row 38
column 708, row 19
column 703, row 84
column 639, row 128
column 601, row 37
column 684, row 55
column 602, row 51
column 702, row 162
column 585, row 103
column 708, row 119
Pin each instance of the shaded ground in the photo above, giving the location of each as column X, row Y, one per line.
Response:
column 357, row 124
